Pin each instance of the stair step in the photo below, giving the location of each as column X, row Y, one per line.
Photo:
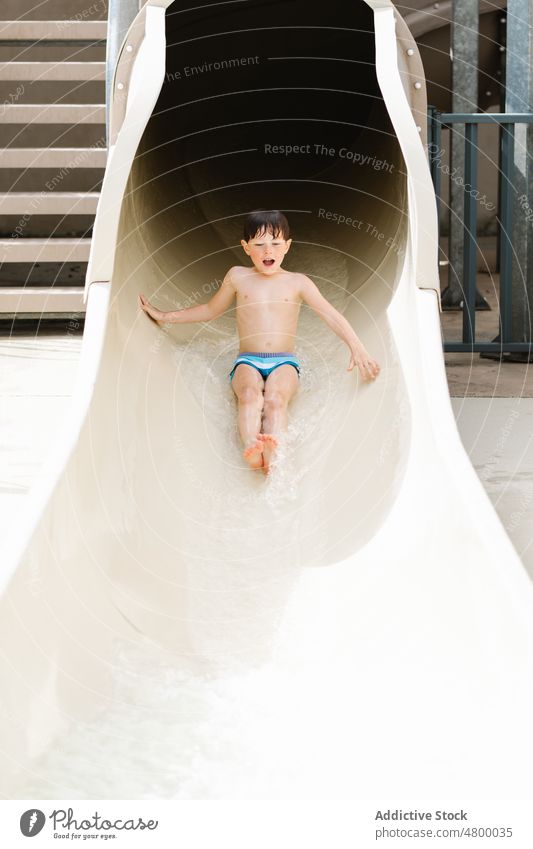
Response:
column 44, row 250
column 53, row 30
column 46, row 71
column 53, row 113
column 52, row 51
column 38, row 299
column 50, row 157
column 51, row 135
column 49, row 203
column 53, row 10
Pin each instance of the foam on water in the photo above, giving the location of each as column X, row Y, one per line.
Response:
column 179, row 734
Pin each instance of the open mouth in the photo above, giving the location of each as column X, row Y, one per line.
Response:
column 268, row 262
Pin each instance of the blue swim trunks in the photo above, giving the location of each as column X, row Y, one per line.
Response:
column 265, row 363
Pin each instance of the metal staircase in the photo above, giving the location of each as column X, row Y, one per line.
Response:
column 52, row 153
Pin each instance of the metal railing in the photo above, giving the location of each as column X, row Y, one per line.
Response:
column 506, row 122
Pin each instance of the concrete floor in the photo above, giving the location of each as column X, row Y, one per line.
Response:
column 469, row 374
column 38, row 376
column 473, row 376
column 497, row 434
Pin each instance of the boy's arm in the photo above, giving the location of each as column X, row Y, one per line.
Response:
column 360, row 357
column 218, row 304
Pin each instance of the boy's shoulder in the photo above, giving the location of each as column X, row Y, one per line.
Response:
column 237, row 273
column 302, row 279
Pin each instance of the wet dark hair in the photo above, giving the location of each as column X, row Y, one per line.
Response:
column 266, row 221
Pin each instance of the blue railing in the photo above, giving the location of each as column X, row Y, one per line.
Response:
column 506, row 122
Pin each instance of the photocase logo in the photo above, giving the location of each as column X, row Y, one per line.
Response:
column 32, row 822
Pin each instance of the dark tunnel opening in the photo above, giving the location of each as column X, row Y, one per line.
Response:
column 270, row 107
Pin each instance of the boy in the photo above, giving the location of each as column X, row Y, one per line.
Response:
column 265, row 374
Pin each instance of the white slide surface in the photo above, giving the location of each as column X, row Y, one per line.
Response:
column 358, row 625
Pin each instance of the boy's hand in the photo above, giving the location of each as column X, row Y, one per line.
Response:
column 146, row 306
column 368, row 368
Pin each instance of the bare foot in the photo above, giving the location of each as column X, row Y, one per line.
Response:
column 253, row 454
column 269, row 443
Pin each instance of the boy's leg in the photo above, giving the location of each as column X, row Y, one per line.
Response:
column 248, row 385
column 280, row 387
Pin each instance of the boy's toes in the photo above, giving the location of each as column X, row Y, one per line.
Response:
column 268, row 440
column 253, row 454
column 270, row 443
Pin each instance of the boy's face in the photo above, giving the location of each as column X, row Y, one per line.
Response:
column 266, row 251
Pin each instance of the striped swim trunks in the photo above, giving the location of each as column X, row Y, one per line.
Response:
column 265, row 363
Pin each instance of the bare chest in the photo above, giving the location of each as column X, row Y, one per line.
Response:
column 267, row 297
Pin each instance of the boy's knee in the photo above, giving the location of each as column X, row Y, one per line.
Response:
column 251, row 395
column 275, row 400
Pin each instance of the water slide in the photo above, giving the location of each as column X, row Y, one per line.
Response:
column 356, row 625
